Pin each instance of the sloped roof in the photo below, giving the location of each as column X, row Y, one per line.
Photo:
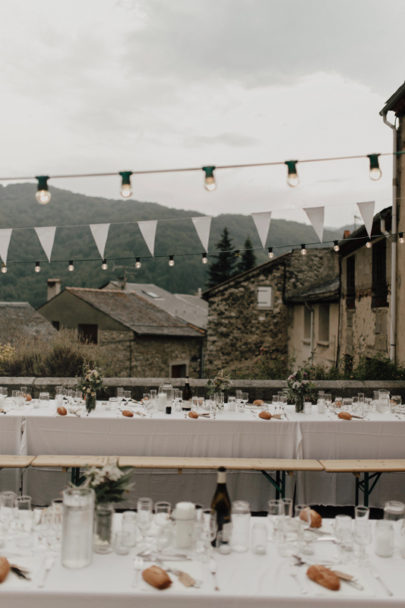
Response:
column 20, row 318
column 189, row 308
column 324, row 292
column 359, row 237
column 135, row 312
column 396, row 103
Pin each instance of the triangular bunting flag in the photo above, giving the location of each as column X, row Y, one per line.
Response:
column 5, row 236
column 367, row 214
column 148, row 231
column 100, row 234
column 203, row 227
column 46, row 235
column 316, row 216
column 262, row 223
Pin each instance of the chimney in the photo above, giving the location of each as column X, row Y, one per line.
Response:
column 54, row 288
column 346, row 234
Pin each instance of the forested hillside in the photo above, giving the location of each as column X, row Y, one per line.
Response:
column 72, row 213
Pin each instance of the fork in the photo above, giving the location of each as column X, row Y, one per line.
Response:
column 300, row 586
column 213, row 570
column 138, row 565
column 48, row 563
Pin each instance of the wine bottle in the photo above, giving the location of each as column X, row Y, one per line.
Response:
column 187, row 393
column 221, row 504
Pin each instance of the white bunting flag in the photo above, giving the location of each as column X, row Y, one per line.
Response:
column 367, row 214
column 5, row 236
column 46, row 235
column 203, row 227
column 148, row 231
column 316, row 216
column 262, row 223
column 100, row 234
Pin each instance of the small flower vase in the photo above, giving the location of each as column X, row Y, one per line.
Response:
column 103, row 522
column 77, row 530
column 90, row 403
column 299, row 403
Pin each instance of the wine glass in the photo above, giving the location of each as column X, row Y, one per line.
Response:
column 303, row 515
column 362, row 533
column 144, row 515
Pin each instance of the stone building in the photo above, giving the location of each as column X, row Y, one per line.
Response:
column 251, row 313
column 142, row 339
column 19, row 320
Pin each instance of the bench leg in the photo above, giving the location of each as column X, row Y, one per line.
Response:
column 75, row 477
column 366, row 485
column 278, row 483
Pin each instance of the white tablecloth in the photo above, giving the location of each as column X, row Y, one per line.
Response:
column 232, row 434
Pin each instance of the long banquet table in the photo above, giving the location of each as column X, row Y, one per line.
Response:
column 244, row 579
column 39, row 430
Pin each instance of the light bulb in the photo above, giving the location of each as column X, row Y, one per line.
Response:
column 375, row 171
column 209, row 180
column 270, row 253
column 104, row 265
column 37, row 267
column 336, row 246
column 138, row 263
column 204, row 258
column 42, row 195
column 4, row 269
column 368, row 244
column 71, row 266
column 401, row 237
column 126, row 188
column 292, row 174
column 171, row 260
column 303, row 250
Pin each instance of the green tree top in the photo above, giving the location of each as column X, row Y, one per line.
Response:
column 224, row 265
column 248, row 259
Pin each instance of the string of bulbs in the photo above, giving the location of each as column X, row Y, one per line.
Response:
column 400, row 237
column 43, row 195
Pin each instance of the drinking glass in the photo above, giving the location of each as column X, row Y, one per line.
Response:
column 24, row 516
column 128, row 527
column 290, row 532
column 259, row 537
column 240, row 526
column 303, row 515
column 245, row 398
column 8, row 501
column 384, row 538
column 361, row 512
column 208, row 534
column 394, row 510
column 362, row 536
column 144, row 515
column 162, row 513
column 286, row 506
column 344, row 535
column 274, row 514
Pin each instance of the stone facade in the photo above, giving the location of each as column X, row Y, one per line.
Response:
column 240, row 327
column 400, row 179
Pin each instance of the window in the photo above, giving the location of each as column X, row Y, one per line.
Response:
column 350, row 283
column 87, row 333
column 56, row 324
column 264, row 297
column 307, row 324
column 178, row 371
column 379, row 274
column 323, row 323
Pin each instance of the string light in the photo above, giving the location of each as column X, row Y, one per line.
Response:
column 209, row 180
column 3, row 268
column 71, row 266
column 43, row 196
column 336, row 246
column 126, row 188
column 138, row 263
column 292, row 174
column 37, row 267
column 401, row 237
column 171, row 260
column 368, row 244
column 375, row 171
column 270, row 253
column 104, row 265
column 204, row 258
column 303, row 249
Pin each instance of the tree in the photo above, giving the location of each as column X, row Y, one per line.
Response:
column 248, row 259
column 224, row 265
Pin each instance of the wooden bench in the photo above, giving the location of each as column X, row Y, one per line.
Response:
column 16, row 461
column 371, row 470
column 73, row 462
column 281, row 466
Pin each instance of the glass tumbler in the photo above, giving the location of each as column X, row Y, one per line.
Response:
column 240, row 526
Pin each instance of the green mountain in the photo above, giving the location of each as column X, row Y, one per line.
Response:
column 73, row 213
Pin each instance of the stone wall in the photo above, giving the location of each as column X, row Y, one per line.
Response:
column 364, row 330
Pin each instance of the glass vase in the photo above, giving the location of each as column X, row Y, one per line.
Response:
column 299, row 403
column 77, row 527
column 90, row 403
column 103, row 523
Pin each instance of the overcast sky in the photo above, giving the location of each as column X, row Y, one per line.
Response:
column 106, row 85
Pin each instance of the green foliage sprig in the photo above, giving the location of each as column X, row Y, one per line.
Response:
column 110, row 483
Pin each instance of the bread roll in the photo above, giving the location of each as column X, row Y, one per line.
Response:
column 192, row 414
column 4, row 568
column 265, row 415
column 157, row 577
column 28, row 397
column 127, row 413
column 62, row 411
column 316, row 519
column 258, row 402
column 344, row 415
column 323, row 576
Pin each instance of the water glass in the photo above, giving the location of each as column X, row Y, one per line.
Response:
column 259, row 537
column 290, row 531
column 162, row 513
column 394, row 510
column 8, row 502
column 384, row 538
column 361, row 512
column 120, row 543
column 344, row 535
column 240, row 526
column 128, row 527
column 144, row 514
